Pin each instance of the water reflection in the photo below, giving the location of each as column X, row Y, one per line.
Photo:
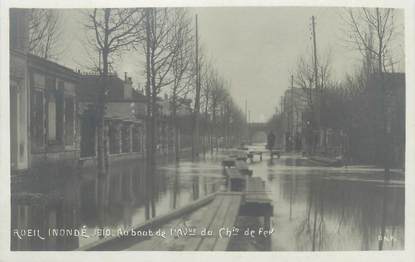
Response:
column 324, row 210
column 315, row 208
column 78, row 199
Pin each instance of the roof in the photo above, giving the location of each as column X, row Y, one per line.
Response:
column 52, row 68
column 90, row 84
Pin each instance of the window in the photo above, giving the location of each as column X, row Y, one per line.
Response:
column 60, row 112
column 38, row 81
column 37, row 111
column 113, row 137
column 126, row 138
column 37, row 122
column 54, row 111
column 69, row 120
column 51, row 118
column 136, row 139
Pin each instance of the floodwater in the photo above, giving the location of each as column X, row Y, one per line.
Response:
column 80, row 201
column 315, row 208
column 327, row 208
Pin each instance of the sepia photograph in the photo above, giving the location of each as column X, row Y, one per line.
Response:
column 207, row 128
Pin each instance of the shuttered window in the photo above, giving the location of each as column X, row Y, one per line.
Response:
column 69, row 120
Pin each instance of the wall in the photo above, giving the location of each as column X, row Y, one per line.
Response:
column 18, row 90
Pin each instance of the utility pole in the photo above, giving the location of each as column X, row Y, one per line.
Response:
column 287, row 118
column 318, row 93
column 195, row 146
column 313, row 23
column 292, row 131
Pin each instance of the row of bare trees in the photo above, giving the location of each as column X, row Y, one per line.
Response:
column 224, row 123
column 164, row 37
column 174, row 64
column 345, row 104
column 367, row 106
column 168, row 41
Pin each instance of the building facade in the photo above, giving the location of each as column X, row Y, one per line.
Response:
column 53, row 112
column 19, row 131
column 124, row 119
column 294, row 107
column 54, row 135
column 43, row 105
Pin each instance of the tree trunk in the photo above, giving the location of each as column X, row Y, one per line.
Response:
column 154, row 114
column 149, row 154
column 206, row 131
column 176, row 143
column 195, row 136
column 384, row 119
column 101, row 152
column 176, row 127
column 100, row 118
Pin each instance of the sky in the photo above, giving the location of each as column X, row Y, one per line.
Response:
column 256, row 49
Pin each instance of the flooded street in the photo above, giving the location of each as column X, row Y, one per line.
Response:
column 323, row 208
column 315, row 208
column 80, row 200
column 219, row 127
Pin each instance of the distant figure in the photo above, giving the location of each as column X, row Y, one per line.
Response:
column 270, row 141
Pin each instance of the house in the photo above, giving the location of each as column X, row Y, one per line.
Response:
column 125, row 111
column 43, row 105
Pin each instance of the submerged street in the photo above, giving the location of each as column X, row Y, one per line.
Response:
column 346, row 203
column 235, row 128
column 337, row 208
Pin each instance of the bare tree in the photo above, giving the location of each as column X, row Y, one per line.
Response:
column 218, row 96
column 196, row 110
column 182, row 68
column 160, row 49
column 112, row 31
column 371, row 32
column 208, row 78
column 304, row 78
column 44, row 33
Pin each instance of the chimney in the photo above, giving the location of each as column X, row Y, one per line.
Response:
column 125, row 76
